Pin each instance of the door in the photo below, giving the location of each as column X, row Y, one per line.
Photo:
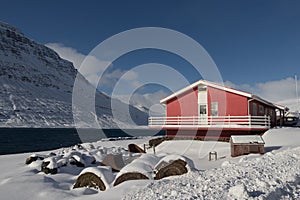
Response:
column 202, row 104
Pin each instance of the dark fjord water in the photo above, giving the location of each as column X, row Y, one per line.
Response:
column 21, row 140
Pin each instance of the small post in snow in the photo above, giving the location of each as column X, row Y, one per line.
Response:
column 154, row 149
column 212, row 153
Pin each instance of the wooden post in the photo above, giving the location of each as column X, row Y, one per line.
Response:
column 211, row 154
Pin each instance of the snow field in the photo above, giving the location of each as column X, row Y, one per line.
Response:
column 276, row 175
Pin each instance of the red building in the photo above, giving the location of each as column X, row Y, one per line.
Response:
column 207, row 109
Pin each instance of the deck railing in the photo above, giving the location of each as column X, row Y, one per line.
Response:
column 212, row 121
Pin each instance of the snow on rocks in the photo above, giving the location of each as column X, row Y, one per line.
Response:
column 153, row 167
column 49, row 166
column 273, row 176
column 33, row 158
column 172, row 165
column 115, row 161
column 95, row 177
column 140, row 168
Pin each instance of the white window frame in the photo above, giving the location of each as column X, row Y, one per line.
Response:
column 214, row 109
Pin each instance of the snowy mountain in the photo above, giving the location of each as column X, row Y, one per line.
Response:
column 36, row 87
column 149, row 102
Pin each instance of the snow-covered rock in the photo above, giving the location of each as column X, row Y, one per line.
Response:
column 103, row 172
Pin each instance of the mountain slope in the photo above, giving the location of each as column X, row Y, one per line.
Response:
column 36, row 87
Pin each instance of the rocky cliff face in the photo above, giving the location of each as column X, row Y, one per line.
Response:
column 36, row 87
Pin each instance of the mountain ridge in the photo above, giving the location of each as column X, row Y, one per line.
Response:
column 37, row 87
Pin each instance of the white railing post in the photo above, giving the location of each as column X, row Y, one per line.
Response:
column 269, row 121
column 230, row 121
column 249, row 120
column 266, row 119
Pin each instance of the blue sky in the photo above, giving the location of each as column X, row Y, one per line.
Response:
column 252, row 42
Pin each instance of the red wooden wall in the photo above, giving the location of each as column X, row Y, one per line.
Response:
column 235, row 105
column 184, row 105
column 273, row 119
column 228, row 103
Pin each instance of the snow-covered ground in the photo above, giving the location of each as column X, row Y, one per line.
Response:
column 274, row 175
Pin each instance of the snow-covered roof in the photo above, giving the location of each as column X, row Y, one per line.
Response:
column 217, row 86
column 246, row 139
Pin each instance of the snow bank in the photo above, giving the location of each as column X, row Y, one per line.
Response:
column 282, row 137
column 273, row 176
column 173, row 157
column 144, row 165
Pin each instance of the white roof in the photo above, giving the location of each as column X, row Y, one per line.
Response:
column 246, row 139
column 217, row 86
column 206, row 83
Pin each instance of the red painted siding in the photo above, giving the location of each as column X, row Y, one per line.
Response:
column 228, row 103
column 269, row 110
column 212, row 134
column 184, row 105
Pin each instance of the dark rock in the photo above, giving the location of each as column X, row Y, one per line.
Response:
column 89, row 180
column 33, row 158
column 130, row 176
column 47, row 170
column 133, row 148
column 76, row 161
column 116, row 162
column 30, row 159
column 177, row 167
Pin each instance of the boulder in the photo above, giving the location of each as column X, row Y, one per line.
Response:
column 177, row 167
column 30, row 159
column 130, row 176
column 49, row 166
column 95, row 177
column 115, row 161
column 133, row 148
column 33, row 158
column 77, row 160
column 90, row 180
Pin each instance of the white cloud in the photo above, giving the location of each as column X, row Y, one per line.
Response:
column 67, row 53
column 278, row 91
column 150, row 101
column 95, row 66
column 130, row 79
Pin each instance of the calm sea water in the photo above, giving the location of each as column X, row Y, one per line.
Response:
column 21, row 140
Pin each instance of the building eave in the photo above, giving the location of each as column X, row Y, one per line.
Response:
column 223, row 88
column 206, row 83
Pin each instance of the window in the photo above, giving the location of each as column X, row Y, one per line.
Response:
column 203, row 109
column 261, row 109
column 214, row 109
column 254, row 109
column 272, row 113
